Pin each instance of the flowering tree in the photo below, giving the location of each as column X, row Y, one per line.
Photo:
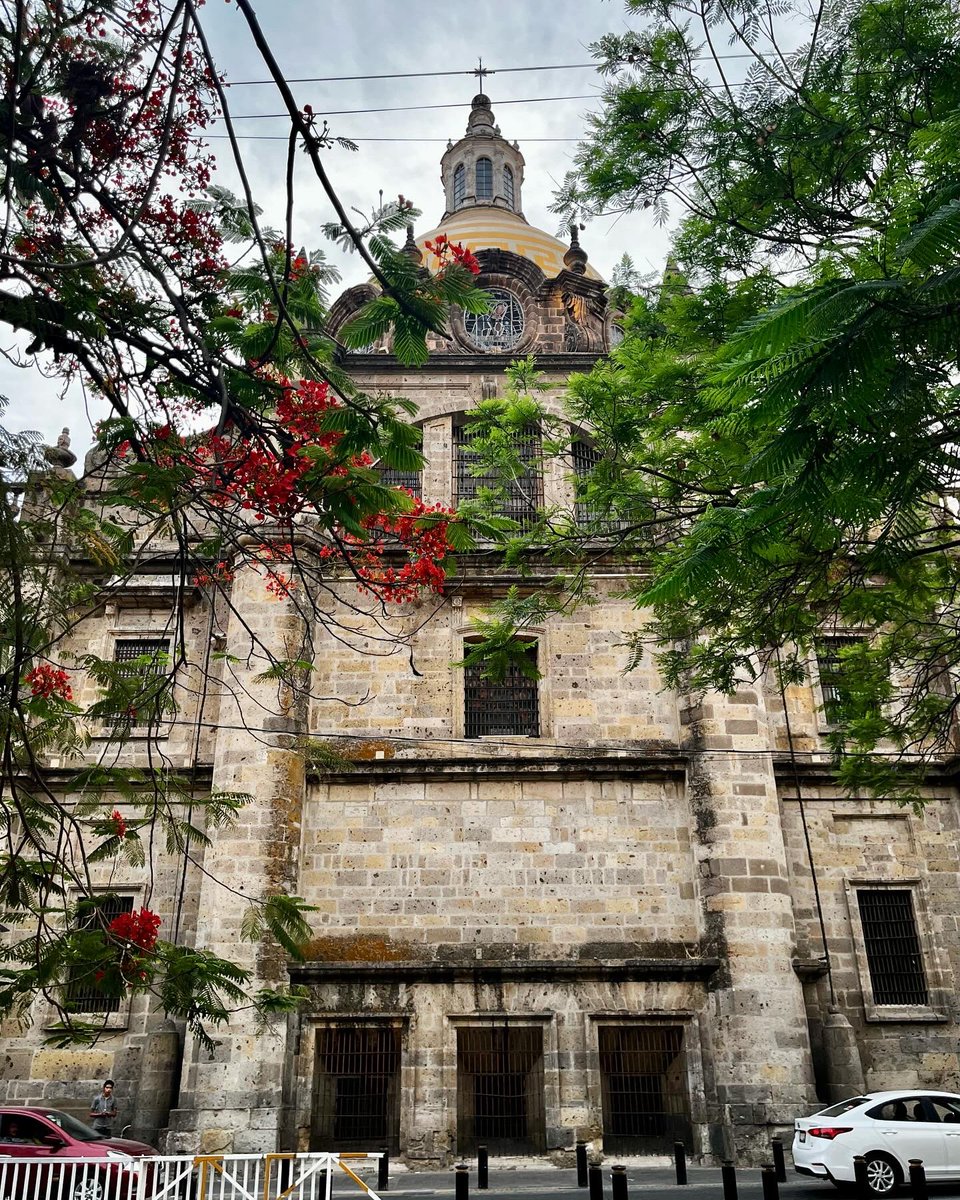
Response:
column 234, row 440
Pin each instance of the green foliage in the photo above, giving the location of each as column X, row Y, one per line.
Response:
column 775, row 440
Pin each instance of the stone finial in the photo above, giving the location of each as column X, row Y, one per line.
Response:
column 60, row 456
column 411, row 249
column 480, row 121
column 575, row 259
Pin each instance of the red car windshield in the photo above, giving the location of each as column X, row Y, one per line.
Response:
column 76, row 1129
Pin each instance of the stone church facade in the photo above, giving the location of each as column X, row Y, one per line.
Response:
column 577, row 908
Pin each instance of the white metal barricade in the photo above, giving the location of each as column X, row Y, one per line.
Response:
column 46, row 1176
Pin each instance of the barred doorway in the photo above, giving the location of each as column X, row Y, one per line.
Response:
column 643, row 1081
column 356, row 1093
column 500, row 1089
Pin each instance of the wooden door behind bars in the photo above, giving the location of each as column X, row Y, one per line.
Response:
column 500, row 1089
column 643, row 1080
column 356, row 1098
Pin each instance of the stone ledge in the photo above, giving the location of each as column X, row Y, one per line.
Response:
column 566, row 763
column 540, row 970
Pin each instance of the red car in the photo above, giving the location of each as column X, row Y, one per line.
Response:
column 38, row 1152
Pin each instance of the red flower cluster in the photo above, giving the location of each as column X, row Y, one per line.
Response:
column 448, row 252
column 49, row 682
column 138, row 928
column 425, row 545
column 255, row 473
column 117, row 824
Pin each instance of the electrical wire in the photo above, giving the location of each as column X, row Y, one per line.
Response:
column 352, row 112
column 523, row 743
column 485, row 71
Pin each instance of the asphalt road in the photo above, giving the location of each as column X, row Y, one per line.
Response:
column 644, row 1183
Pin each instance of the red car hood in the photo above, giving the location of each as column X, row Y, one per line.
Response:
column 126, row 1146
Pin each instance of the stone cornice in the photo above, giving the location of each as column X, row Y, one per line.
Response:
column 519, row 970
column 566, row 763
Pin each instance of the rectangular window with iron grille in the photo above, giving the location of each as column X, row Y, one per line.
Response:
column 356, row 1104
column 643, row 1081
column 522, row 498
column 500, row 1089
column 146, row 659
column 830, row 669
column 585, row 458
column 892, row 946
column 411, row 480
column 506, row 707
column 83, row 995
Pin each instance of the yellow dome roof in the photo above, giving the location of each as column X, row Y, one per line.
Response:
column 483, row 227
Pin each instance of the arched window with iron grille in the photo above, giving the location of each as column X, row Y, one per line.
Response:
column 508, row 192
column 459, row 185
column 484, row 179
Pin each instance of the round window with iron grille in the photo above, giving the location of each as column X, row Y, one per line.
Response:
column 499, row 329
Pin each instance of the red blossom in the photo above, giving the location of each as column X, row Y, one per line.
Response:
column 140, row 929
column 49, row 682
column 117, row 823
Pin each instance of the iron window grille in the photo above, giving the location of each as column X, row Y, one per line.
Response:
column 83, row 994
column 501, row 327
column 357, row 1088
column 833, row 683
column 129, row 653
column 521, row 498
column 508, row 190
column 644, row 1096
column 459, row 185
column 500, row 1089
column 585, row 458
column 892, row 946
column 484, row 179
column 410, row 480
column 507, row 708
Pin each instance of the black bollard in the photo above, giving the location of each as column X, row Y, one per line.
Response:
column 680, row 1160
column 483, row 1169
column 778, row 1162
column 581, row 1164
column 768, row 1176
column 728, row 1173
column 462, row 1181
column 596, row 1181
column 618, row 1182
column 860, row 1185
column 918, row 1179
column 383, row 1172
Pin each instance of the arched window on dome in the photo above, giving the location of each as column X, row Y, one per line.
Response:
column 459, row 185
column 508, row 193
column 484, row 179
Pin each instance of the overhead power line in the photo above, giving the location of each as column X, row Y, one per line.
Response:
column 352, row 112
column 413, row 74
column 447, row 74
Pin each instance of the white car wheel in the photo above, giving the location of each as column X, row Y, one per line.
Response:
column 883, row 1175
column 88, row 1189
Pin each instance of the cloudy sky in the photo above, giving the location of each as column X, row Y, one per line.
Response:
column 399, row 150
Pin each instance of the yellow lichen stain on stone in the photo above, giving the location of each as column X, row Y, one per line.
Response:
column 367, row 751
column 358, row 947
column 72, row 1065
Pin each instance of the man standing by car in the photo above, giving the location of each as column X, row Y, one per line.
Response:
column 103, row 1109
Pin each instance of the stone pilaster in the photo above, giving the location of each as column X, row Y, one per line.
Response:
column 231, row 1101
column 757, row 1019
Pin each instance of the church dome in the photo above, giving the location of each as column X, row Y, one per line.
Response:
column 489, row 228
column 482, row 177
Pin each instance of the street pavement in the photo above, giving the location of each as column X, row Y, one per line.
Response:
column 644, row 1182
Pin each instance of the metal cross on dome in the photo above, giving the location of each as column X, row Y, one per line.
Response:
column 482, row 72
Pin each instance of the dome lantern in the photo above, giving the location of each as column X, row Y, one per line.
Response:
column 482, row 168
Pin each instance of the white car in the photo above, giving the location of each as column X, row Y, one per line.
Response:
column 888, row 1129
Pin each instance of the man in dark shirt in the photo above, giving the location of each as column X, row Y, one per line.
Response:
column 103, row 1109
